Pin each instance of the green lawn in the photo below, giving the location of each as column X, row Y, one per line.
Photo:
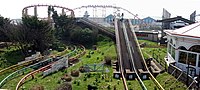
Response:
column 158, row 53
column 104, row 48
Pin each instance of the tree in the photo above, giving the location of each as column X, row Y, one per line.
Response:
column 63, row 24
column 83, row 36
column 38, row 33
column 4, row 29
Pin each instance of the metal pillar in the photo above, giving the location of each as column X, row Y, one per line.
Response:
column 26, row 12
column 35, row 11
column 63, row 11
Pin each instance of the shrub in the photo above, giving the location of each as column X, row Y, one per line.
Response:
column 88, row 56
column 85, row 79
column 37, row 87
column 64, row 86
column 91, row 52
column 89, row 75
column 75, row 73
column 81, row 69
column 66, row 78
column 92, row 87
column 107, row 60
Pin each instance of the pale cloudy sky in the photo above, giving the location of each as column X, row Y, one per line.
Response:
column 12, row 8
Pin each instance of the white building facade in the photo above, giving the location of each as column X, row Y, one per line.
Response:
column 183, row 48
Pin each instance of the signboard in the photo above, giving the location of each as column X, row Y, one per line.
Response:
column 192, row 16
column 166, row 14
column 57, row 66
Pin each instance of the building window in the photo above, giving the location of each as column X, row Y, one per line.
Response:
column 173, row 52
column 195, row 48
column 192, row 58
column 169, row 48
column 199, row 60
column 182, row 57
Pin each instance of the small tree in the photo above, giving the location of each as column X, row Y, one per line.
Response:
column 107, row 60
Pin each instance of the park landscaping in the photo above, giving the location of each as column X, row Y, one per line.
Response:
column 100, row 80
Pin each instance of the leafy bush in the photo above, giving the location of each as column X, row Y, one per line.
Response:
column 81, row 69
column 64, row 86
column 66, row 78
column 37, row 87
column 75, row 73
column 107, row 60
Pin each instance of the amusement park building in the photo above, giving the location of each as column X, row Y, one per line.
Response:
column 183, row 48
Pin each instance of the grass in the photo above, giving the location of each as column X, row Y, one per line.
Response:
column 10, row 56
column 158, row 53
column 102, row 80
column 107, row 48
column 104, row 49
column 169, row 82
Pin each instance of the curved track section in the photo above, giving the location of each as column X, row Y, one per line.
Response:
column 110, row 6
column 31, row 74
column 24, row 10
column 18, row 66
column 34, row 66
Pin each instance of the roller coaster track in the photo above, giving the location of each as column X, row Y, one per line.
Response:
column 20, row 71
column 129, row 53
column 17, row 66
column 31, row 74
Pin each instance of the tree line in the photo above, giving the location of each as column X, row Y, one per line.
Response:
column 39, row 35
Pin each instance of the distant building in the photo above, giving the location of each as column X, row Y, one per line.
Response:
column 183, row 48
column 147, row 23
column 148, row 20
column 109, row 18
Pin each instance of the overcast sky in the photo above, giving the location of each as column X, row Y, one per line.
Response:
column 12, row 8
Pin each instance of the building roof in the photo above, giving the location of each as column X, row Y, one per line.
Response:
column 192, row 30
column 150, row 18
column 110, row 16
column 175, row 19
